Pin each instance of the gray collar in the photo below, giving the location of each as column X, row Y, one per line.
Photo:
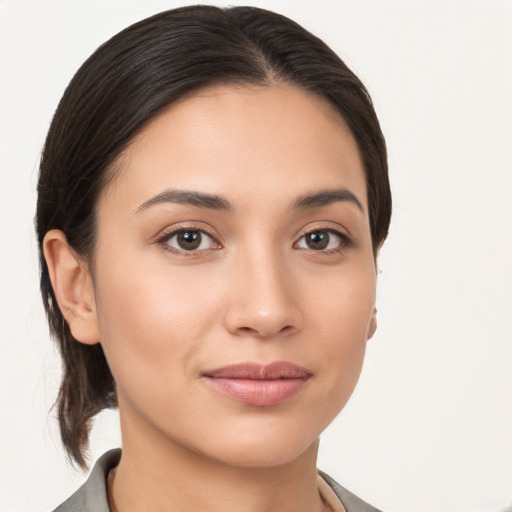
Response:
column 92, row 496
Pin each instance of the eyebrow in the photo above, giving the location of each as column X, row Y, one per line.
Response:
column 326, row 197
column 199, row 199
column 215, row 202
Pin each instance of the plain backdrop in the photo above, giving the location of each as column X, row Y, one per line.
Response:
column 429, row 427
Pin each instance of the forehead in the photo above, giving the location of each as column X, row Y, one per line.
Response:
column 274, row 138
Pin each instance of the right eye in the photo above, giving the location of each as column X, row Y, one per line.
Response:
column 188, row 240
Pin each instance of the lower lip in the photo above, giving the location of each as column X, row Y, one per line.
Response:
column 262, row 393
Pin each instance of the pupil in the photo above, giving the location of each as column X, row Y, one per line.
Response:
column 317, row 240
column 189, row 240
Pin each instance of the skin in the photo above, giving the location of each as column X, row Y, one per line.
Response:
column 254, row 291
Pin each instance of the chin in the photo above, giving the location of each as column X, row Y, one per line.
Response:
column 260, row 449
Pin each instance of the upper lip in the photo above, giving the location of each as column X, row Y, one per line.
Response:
column 257, row 371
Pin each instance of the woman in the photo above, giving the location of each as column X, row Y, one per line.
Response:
column 212, row 197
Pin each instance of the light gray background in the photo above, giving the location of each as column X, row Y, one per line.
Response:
column 430, row 425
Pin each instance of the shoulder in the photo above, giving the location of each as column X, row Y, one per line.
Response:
column 92, row 495
column 350, row 501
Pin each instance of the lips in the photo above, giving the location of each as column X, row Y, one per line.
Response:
column 256, row 384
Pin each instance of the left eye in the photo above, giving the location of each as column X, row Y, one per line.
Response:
column 320, row 240
column 189, row 240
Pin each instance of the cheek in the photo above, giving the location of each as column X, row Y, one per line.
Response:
column 341, row 325
column 150, row 322
column 342, row 307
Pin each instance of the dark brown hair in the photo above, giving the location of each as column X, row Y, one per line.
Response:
column 125, row 84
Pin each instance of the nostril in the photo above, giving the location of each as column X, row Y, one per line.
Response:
column 262, row 333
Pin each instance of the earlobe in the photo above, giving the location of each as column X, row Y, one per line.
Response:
column 373, row 325
column 72, row 285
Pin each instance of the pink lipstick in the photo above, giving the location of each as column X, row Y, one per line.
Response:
column 256, row 384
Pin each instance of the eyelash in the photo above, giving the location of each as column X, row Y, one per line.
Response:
column 345, row 242
column 164, row 240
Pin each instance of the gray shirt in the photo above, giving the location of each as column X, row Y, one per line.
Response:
column 92, row 496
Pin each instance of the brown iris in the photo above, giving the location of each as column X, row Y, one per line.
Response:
column 189, row 240
column 317, row 240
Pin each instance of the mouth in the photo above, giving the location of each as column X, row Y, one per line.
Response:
column 256, row 384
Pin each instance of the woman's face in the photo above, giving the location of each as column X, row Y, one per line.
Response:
column 234, row 275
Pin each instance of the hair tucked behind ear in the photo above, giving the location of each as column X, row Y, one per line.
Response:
column 125, row 84
column 87, row 386
column 76, row 409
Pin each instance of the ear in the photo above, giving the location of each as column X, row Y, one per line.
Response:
column 373, row 324
column 72, row 286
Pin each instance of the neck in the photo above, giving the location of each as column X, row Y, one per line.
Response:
column 158, row 474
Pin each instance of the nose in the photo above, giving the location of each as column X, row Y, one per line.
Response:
column 262, row 302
